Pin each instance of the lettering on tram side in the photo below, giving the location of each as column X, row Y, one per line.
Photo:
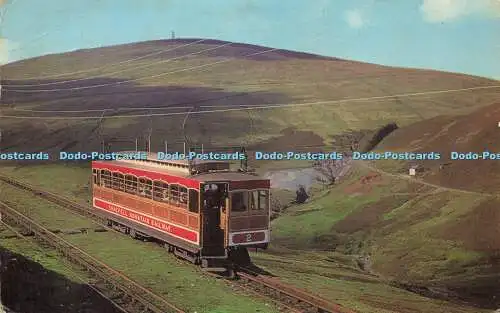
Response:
column 116, row 209
column 161, row 225
column 183, row 233
column 140, row 218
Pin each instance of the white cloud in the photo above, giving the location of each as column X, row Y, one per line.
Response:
column 355, row 19
column 436, row 11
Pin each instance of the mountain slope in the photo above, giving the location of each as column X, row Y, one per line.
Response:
column 212, row 75
column 476, row 132
column 438, row 233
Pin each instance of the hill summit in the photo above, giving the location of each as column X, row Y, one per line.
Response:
column 55, row 102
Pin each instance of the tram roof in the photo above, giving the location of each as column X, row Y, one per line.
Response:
column 180, row 168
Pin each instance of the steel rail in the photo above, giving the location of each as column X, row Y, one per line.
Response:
column 101, row 293
column 282, row 294
column 293, row 296
column 126, row 288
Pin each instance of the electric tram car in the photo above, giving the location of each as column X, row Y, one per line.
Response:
column 202, row 211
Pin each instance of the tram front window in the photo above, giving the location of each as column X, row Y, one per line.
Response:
column 239, row 201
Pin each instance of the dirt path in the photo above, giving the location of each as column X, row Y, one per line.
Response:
column 420, row 181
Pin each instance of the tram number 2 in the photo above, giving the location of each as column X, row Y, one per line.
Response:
column 248, row 237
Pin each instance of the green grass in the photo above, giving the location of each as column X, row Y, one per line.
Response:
column 65, row 179
column 45, row 212
column 310, row 220
column 47, row 258
column 148, row 264
column 348, row 286
column 405, row 247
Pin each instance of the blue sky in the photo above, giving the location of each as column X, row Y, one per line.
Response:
column 453, row 35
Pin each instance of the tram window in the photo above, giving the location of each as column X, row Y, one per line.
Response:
column 239, row 201
column 149, row 188
column 95, row 174
column 263, row 199
column 253, row 200
column 121, row 182
column 131, row 184
column 160, row 191
column 193, row 201
column 183, row 196
column 106, row 178
column 145, row 188
column 118, row 181
column 174, row 194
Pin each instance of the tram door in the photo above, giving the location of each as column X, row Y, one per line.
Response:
column 214, row 214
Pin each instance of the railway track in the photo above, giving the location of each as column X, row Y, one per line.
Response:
column 295, row 298
column 127, row 295
column 119, row 307
column 285, row 296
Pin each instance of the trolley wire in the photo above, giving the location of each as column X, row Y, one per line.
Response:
column 7, row 86
column 94, row 69
column 255, row 107
column 225, row 60
column 170, row 107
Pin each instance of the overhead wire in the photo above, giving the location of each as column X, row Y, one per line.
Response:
column 142, row 78
column 122, row 70
column 170, row 107
column 107, row 65
column 258, row 107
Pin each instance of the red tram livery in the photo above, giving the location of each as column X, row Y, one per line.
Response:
column 200, row 210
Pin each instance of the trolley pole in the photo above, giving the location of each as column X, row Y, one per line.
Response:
column 166, row 146
column 149, row 143
column 136, row 145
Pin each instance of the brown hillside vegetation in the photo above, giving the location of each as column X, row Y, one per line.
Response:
column 156, row 76
column 474, row 132
column 439, row 243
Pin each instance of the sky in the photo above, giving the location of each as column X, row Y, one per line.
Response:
column 451, row 35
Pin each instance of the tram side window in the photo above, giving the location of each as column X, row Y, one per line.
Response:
column 106, row 178
column 145, row 188
column 160, row 191
column 96, row 176
column 193, row 201
column 239, row 201
column 263, row 199
column 118, row 181
column 174, row 194
column 131, row 184
column 183, row 196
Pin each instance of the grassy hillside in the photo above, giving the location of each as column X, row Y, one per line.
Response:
column 474, row 132
column 300, row 238
column 174, row 73
column 437, row 242
column 437, row 233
